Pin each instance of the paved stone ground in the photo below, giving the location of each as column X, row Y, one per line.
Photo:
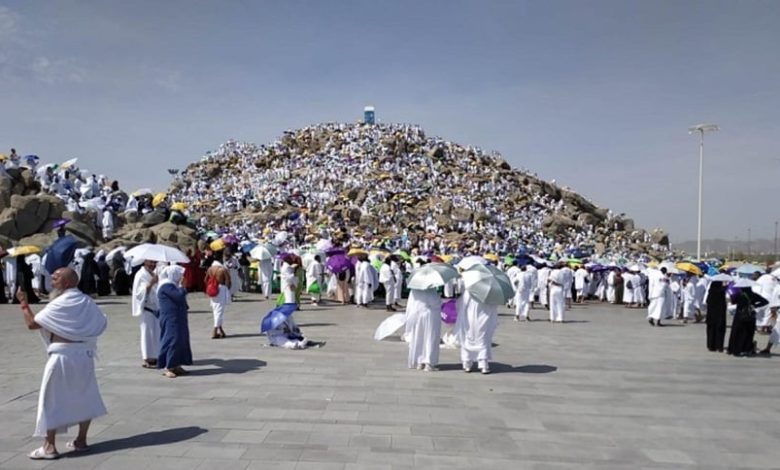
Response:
column 603, row 391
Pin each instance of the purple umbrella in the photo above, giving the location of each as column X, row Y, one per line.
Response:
column 338, row 264
column 60, row 223
column 230, row 239
column 335, row 251
column 448, row 312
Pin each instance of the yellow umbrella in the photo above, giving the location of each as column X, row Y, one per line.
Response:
column 3, row 157
column 732, row 264
column 652, row 264
column 446, row 258
column 178, row 206
column 158, row 199
column 689, row 268
column 357, row 251
column 23, row 250
column 491, row 257
column 217, row 245
column 69, row 163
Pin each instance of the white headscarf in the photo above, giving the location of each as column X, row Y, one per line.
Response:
column 171, row 275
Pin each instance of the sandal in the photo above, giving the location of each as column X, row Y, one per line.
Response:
column 40, row 454
column 146, row 365
column 169, row 374
column 74, row 448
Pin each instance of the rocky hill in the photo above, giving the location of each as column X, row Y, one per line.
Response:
column 393, row 179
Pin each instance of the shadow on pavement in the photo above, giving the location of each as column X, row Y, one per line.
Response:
column 499, row 368
column 244, row 335
column 302, row 325
column 229, row 366
column 147, row 439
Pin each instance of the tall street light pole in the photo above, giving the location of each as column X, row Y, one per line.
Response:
column 701, row 129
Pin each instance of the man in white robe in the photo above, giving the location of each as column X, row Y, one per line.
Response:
column 387, row 278
column 512, row 273
column 423, row 329
column 543, row 276
column 399, row 279
column 108, row 224
column 568, row 281
column 523, row 284
column 581, row 283
column 363, row 286
column 765, row 288
column 148, row 312
column 266, row 276
column 475, row 325
column 70, row 326
column 660, row 297
column 689, row 301
column 314, row 274
column 611, row 291
column 557, row 296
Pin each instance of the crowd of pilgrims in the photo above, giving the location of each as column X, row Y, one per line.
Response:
column 313, row 168
column 550, row 285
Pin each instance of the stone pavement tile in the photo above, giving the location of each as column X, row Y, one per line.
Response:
column 339, row 428
column 372, row 441
column 273, row 453
column 670, row 456
column 176, row 449
column 412, row 442
column 288, row 426
column 245, row 437
column 264, row 465
column 286, row 437
column 211, row 464
column 216, row 451
column 432, row 460
column 364, row 466
column 340, row 416
column 404, row 458
column 337, row 454
column 320, row 465
column 454, row 444
column 125, row 462
column 329, row 438
column 174, row 463
column 484, row 463
column 266, row 413
column 245, row 424
column 379, row 429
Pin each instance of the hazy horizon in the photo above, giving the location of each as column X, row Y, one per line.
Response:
column 596, row 95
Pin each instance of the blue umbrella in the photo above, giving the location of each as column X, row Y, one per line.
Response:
column 277, row 316
column 246, row 248
column 60, row 253
column 750, row 269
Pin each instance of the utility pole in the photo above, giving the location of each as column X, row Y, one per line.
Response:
column 749, row 252
column 776, row 241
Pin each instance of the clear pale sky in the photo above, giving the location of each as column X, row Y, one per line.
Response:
column 597, row 95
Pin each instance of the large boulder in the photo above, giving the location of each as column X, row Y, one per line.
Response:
column 660, row 237
column 557, row 224
column 177, row 235
column 153, row 218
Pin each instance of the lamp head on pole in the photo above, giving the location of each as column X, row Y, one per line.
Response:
column 703, row 128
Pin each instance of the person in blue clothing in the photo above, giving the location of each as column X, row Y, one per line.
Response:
column 175, row 349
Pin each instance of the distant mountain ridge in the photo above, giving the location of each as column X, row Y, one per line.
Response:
column 761, row 246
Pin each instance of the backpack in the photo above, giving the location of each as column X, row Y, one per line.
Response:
column 212, row 287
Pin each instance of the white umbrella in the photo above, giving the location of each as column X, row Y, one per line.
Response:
column 156, row 252
column 742, row 282
column 390, row 325
column 308, row 258
column 470, row 261
column 431, row 275
column 721, row 278
column 95, row 203
column 776, row 273
column 69, row 163
column 141, row 192
column 324, row 245
column 112, row 254
column 280, row 238
column 488, row 284
column 263, row 252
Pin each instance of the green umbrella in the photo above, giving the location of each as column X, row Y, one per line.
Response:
column 431, row 276
column 488, row 284
column 404, row 255
column 509, row 260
